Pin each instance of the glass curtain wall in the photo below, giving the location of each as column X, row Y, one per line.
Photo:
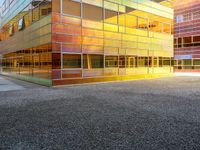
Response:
column 29, row 62
column 187, row 36
column 23, row 39
column 89, row 39
column 101, row 38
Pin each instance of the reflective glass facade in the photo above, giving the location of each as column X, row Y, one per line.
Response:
column 79, row 41
column 26, row 32
column 187, row 36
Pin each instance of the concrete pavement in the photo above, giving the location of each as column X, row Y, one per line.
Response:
column 6, row 85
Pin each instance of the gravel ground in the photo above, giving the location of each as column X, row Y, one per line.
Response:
column 158, row 114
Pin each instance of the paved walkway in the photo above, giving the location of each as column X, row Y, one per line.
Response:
column 6, row 85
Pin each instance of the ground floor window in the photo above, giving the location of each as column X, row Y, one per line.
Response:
column 196, row 62
column 122, row 61
column 143, row 61
column 187, row 62
column 92, row 61
column 71, row 61
column 166, row 61
column 36, row 62
column 131, row 61
column 111, row 61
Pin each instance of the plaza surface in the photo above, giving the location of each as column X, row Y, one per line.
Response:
column 153, row 114
column 6, row 85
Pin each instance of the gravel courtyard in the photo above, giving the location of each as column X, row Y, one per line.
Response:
column 158, row 114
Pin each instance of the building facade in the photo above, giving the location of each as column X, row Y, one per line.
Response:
column 79, row 41
column 187, row 36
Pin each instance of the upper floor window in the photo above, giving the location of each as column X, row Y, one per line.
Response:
column 179, row 18
column 6, row 4
column 21, row 24
column 72, row 7
column 11, row 30
column 187, row 17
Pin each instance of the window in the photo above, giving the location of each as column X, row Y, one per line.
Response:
column 187, row 17
column 121, row 19
column 91, row 12
column 179, row 18
column 11, row 1
column 36, row 60
column 152, row 25
column 196, row 15
column 21, row 24
column 111, row 61
column 196, row 62
column 196, row 39
column 35, row 13
column 122, row 62
column 130, row 61
column 45, row 8
column 7, row 3
column 160, row 62
column 71, row 61
column 155, row 62
column 27, row 12
column 143, row 62
column 111, row 16
column 142, row 23
column 131, row 21
column 56, row 61
column 187, row 41
column 30, row 13
column 179, row 42
column 158, row 26
column 44, row 12
column 167, row 28
column 130, row 10
column 149, row 62
column 56, row 6
column 187, row 62
column 175, row 43
column 3, row 7
column 27, row 19
column 92, row 61
column 11, row 30
column 166, row 61
column 71, row 8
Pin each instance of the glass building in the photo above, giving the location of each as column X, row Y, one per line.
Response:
column 187, row 36
column 55, row 42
